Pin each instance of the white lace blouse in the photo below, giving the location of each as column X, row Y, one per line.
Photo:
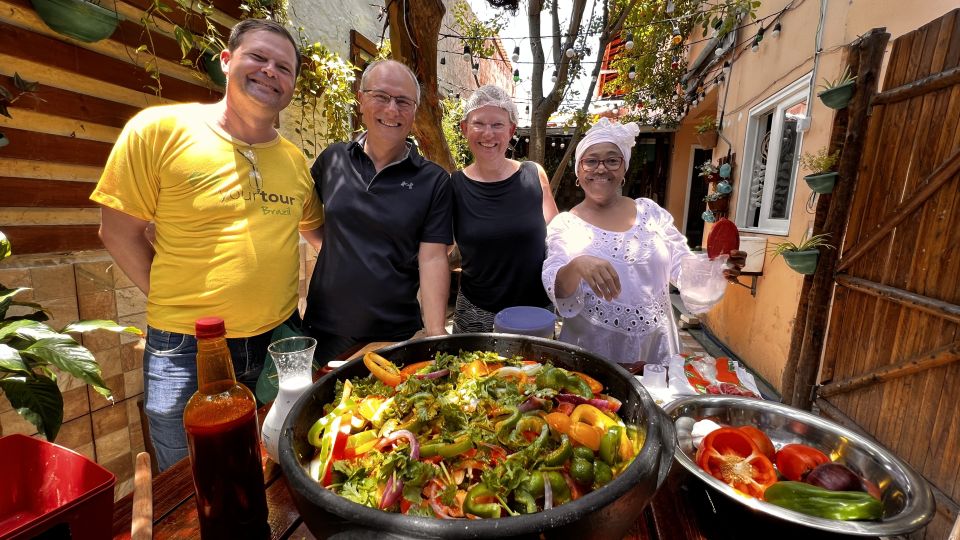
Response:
column 638, row 325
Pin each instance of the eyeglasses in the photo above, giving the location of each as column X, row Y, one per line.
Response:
column 480, row 127
column 383, row 99
column 256, row 180
column 611, row 163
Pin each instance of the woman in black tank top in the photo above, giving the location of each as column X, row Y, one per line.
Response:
column 501, row 211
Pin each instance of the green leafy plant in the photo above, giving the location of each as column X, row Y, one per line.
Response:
column 32, row 354
column 819, row 162
column 843, row 79
column 714, row 196
column 452, row 114
column 709, row 123
column 805, row 244
column 323, row 96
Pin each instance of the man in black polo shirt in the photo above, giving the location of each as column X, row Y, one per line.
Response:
column 388, row 224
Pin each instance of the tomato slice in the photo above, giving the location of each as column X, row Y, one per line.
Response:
column 730, row 456
column 760, row 439
column 383, row 369
column 794, row 461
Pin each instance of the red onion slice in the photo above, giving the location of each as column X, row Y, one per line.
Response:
column 434, row 374
column 391, row 492
column 402, row 434
column 547, row 492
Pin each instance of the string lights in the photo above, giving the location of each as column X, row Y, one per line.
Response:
column 516, row 54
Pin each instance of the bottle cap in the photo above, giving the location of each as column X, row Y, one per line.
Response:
column 210, row 327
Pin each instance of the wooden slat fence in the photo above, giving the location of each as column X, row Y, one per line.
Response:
column 60, row 139
column 890, row 360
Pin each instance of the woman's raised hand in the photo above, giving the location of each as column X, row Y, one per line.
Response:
column 734, row 265
column 599, row 275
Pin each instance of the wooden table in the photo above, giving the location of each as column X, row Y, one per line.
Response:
column 683, row 509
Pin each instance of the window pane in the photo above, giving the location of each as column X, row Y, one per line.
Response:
column 780, row 205
column 758, row 170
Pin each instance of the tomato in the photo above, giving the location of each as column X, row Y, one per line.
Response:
column 383, row 369
column 730, row 456
column 794, row 461
column 760, row 439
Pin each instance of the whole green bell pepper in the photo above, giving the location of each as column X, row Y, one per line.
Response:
column 819, row 502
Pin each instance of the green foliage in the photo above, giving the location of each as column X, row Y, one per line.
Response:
column 658, row 62
column 32, row 353
column 805, row 244
column 707, row 168
column 820, row 161
column 452, row 114
column 843, row 79
column 709, row 123
column 324, row 97
column 193, row 14
column 476, row 34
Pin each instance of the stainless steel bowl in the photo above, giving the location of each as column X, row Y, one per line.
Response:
column 908, row 502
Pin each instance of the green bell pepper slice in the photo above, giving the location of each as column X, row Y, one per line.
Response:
column 819, row 502
column 484, row 510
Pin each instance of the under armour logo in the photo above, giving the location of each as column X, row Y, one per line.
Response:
column 408, row 185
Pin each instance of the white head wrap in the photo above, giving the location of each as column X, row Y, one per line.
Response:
column 622, row 135
column 492, row 96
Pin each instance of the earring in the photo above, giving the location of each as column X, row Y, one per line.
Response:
column 623, row 182
column 577, row 183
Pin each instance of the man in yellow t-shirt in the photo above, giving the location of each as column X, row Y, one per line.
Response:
column 227, row 195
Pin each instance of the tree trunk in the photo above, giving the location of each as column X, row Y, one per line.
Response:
column 414, row 27
column 546, row 105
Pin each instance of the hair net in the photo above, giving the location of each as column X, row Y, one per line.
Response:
column 622, row 135
column 492, row 96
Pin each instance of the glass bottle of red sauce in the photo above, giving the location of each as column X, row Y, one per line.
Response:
column 224, row 443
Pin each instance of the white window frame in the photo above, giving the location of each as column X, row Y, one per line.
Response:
column 792, row 94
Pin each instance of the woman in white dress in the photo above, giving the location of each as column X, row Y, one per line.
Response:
column 611, row 259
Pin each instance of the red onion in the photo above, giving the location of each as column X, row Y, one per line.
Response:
column 391, row 492
column 402, row 434
column 547, row 492
column 434, row 374
column 835, row 477
column 614, row 402
column 572, row 398
column 531, row 403
column 603, row 404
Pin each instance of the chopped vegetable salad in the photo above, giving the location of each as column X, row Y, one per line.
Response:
column 467, row 436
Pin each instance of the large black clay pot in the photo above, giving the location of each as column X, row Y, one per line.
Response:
column 606, row 513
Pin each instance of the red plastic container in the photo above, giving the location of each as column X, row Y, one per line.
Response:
column 45, row 486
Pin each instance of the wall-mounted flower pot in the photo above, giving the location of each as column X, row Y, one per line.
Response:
column 708, row 139
column 803, row 262
column 839, row 96
column 78, row 19
column 712, row 178
column 821, row 183
column 211, row 64
column 719, row 205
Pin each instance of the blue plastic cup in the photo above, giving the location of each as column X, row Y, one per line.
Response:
column 526, row 321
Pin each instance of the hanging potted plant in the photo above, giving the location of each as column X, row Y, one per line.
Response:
column 836, row 94
column 802, row 257
column 718, row 202
column 709, row 172
column 707, row 134
column 79, row 19
column 822, row 177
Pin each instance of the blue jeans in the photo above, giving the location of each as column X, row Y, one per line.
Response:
column 170, row 378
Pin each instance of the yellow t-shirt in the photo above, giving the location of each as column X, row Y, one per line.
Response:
column 227, row 217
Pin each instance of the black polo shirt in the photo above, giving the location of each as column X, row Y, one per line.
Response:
column 366, row 278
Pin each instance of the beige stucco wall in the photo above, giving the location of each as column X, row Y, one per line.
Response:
column 758, row 329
